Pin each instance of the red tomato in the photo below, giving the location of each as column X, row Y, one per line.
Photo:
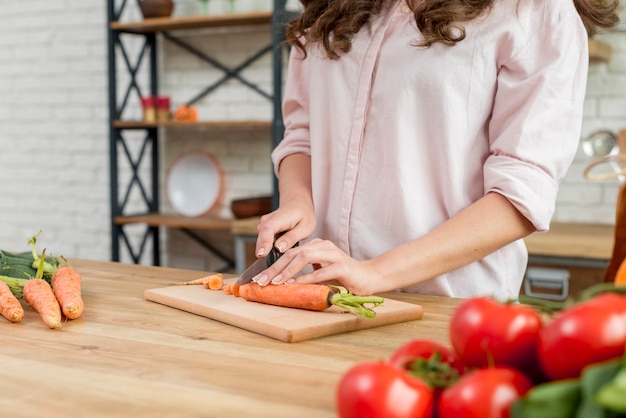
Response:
column 484, row 393
column 378, row 389
column 586, row 333
column 404, row 356
column 483, row 327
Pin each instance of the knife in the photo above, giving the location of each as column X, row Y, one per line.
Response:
column 260, row 265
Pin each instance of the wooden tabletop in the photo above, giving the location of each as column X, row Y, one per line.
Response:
column 130, row 357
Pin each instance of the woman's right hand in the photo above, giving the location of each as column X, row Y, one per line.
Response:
column 295, row 220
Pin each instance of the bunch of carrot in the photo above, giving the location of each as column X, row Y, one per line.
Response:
column 63, row 294
column 49, row 300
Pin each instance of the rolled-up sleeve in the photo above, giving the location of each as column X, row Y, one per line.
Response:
column 535, row 127
column 295, row 108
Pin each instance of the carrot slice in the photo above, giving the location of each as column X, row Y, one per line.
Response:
column 214, row 282
column 234, row 288
column 227, row 289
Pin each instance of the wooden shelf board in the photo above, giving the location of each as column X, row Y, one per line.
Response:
column 599, row 51
column 176, row 221
column 162, row 24
column 246, row 226
column 223, row 124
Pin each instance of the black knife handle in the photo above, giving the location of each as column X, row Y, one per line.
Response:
column 274, row 253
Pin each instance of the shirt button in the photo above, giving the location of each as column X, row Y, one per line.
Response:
column 405, row 9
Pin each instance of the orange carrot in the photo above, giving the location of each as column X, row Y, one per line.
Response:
column 234, row 289
column 200, row 281
column 38, row 294
column 66, row 285
column 9, row 305
column 191, row 282
column 227, row 289
column 313, row 297
column 214, row 282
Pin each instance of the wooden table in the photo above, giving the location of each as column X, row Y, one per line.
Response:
column 129, row 357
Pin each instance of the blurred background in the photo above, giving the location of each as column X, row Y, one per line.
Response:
column 54, row 125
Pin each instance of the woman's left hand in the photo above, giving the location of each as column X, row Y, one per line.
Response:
column 330, row 264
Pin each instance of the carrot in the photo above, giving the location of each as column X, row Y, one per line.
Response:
column 214, row 282
column 313, row 297
column 227, row 289
column 66, row 285
column 235, row 289
column 199, row 281
column 38, row 294
column 10, row 307
column 189, row 283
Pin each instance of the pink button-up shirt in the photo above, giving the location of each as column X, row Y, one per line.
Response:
column 402, row 137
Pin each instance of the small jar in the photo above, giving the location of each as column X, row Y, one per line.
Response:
column 149, row 109
column 163, row 108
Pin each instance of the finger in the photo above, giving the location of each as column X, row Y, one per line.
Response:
column 267, row 229
column 292, row 262
column 322, row 275
column 314, row 253
column 282, row 270
column 290, row 238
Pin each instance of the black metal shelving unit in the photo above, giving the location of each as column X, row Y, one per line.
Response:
column 142, row 158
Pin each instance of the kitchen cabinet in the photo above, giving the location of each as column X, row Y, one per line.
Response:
column 581, row 250
column 135, row 194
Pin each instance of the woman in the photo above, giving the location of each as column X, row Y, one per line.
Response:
column 425, row 139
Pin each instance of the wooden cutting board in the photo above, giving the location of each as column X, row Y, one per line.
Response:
column 284, row 324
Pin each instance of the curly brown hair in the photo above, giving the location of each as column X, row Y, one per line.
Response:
column 437, row 20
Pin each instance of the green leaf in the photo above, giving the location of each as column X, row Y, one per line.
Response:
column 558, row 399
column 592, row 379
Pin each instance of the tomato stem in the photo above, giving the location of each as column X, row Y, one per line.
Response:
column 596, row 289
column 433, row 371
column 544, row 305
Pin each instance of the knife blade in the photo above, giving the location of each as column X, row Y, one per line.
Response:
column 260, row 265
column 254, row 269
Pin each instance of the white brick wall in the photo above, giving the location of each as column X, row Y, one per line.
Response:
column 54, row 139
column 53, row 126
column 580, row 200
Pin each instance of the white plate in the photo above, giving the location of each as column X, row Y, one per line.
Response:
column 194, row 183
